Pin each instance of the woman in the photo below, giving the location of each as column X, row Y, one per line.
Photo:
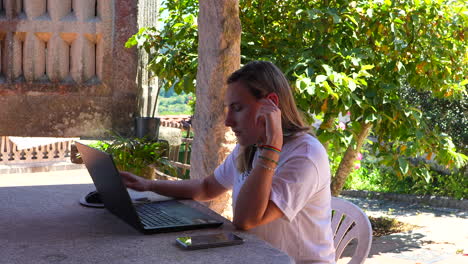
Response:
column 279, row 174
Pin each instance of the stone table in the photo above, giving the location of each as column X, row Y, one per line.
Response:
column 46, row 224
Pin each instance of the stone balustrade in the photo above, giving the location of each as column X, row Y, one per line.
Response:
column 11, row 153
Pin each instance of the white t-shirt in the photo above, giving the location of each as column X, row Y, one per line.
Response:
column 301, row 190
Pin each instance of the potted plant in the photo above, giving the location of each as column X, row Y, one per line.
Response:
column 140, row 156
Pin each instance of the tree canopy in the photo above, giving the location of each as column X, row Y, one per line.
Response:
column 362, row 58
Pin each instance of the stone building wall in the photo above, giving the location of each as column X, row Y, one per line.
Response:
column 64, row 70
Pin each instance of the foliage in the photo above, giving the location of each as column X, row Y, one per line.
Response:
column 450, row 116
column 173, row 49
column 175, row 104
column 369, row 176
column 360, row 57
column 135, row 154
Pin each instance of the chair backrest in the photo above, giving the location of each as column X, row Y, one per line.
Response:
column 350, row 222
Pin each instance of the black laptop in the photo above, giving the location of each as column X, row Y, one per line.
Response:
column 148, row 217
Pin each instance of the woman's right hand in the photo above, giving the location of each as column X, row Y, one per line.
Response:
column 135, row 182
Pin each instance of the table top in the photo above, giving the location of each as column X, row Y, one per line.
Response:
column 46, row 224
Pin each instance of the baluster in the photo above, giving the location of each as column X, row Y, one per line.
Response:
column 59, row 9
column 85, row 9
column 14, row 154
column 99, row 57
column 18, row 55
column 35, row 9
column 34, row 153
column 2, row 52
column 76, row 58
column 40, row 60
column 55, row 150
column 3, row 157
column 28, row 154
column 68, row 60
column 29, row 56
column 45, row 152
column 89, row 57
column 16, row 9
column 68, row 149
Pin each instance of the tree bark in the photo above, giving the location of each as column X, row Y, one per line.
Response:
column 346, row 164
column 327, row 123
column 219, row 32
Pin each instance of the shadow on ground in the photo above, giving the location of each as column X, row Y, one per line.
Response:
column 394, row 243
column 403, row 208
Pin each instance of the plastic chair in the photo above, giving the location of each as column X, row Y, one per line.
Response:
column 350, row 222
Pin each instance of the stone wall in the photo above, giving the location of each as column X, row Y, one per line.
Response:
column 64, row 70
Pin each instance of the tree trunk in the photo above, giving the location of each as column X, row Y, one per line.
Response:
column 346, row 164
column 219, row 33
column 327, row 123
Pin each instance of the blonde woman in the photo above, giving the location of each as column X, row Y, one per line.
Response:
column 279, row 174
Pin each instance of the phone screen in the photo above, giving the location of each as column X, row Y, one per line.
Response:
column 206, row 241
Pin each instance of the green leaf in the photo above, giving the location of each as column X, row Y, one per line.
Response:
column 351, row 85
column 399, row 21
column 367, row 67
column 400, row 66
column 311, row 89
column 427, row 176
column 325, row 136
column 370, row 118
column 328, row 69
column 403, row 165
column 352, row 19
column 320, row 79
column 357, row 100
column 419, row 134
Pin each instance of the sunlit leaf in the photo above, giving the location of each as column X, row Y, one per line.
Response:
column 403, row 165
column 320, row 79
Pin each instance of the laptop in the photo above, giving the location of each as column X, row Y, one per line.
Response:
column 147, row 217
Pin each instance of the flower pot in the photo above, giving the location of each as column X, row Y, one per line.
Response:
column 147, row 127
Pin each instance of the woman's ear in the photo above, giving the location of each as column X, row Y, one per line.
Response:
column 273, row 97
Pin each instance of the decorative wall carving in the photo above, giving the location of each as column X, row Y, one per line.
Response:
column 64, row 60
column 54, row 40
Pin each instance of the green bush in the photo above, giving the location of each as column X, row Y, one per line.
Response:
column 371, row 177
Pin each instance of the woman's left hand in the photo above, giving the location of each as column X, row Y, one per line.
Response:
column 270, row 115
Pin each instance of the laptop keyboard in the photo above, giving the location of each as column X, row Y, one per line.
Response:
column 151, row 215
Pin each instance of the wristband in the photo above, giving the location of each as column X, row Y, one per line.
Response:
column 268, row 159
column 268, row 147
column 265, row 167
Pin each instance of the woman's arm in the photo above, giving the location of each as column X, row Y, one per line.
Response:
column 200, row 189
column 253, row 205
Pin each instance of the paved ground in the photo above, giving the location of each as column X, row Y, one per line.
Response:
column 440, row 238
column 441, row 235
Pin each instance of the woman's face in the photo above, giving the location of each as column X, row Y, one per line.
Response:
column 241, row 114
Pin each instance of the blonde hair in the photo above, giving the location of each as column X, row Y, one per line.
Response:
column 262, row 78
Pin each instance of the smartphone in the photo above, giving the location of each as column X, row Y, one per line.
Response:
column 209, row 241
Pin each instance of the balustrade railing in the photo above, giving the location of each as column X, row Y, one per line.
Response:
column 10, row 153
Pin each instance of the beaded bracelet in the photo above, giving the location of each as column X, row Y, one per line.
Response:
column 268, row 159
column 264, row 166
column 268, row 147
